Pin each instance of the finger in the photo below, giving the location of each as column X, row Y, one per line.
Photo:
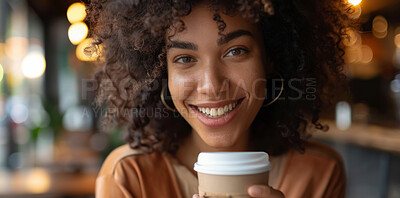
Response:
column 196, row 196
column 264, row 191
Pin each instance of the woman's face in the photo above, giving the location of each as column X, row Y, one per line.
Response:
column 217, row 83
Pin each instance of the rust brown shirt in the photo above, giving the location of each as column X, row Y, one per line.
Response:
column 318, row 172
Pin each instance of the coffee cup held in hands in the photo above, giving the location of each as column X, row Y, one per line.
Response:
column 229, row 174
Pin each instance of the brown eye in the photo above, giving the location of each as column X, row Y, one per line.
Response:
column 236, row 52
column 184, row 59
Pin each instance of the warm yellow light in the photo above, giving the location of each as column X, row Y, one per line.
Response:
column 76, row 12
column 352, row 38
column 38, row 181
column 397, row 40
column 77, row 32
column 87, row 51
column 379, row 34
column 354, row 2
column 356, row 12
column 353, row 54
column 1, row 73
column 367, row 54
column 2, row 50
column 379, row 24
column 379, row 27
column 33, row 65
column 16, row 47
column 14, row 79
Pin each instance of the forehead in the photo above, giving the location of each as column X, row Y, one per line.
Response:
column 200, row 24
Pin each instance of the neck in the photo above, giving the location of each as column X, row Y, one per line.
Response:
column 191, row 146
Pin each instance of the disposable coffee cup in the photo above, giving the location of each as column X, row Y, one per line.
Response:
column 230, row 174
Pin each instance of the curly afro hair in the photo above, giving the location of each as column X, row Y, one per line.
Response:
column 303, row 39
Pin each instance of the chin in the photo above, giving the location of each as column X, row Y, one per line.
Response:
column 220, row 143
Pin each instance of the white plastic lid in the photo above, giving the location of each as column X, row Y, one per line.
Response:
column 232, row 163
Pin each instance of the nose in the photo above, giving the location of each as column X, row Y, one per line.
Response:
column 213, row 81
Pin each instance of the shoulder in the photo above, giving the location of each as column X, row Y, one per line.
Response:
column 317, row 156
column 318, row 163
column 112, row 178
column 130, row 172
column 322, row 151
column 122, row 155
column 320, row 168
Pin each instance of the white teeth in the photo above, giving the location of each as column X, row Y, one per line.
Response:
column 213, row 112
column 226, row 108
column 220, row 111
column 217, row 112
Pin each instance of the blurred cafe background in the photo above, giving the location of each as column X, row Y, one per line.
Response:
column 51, row 142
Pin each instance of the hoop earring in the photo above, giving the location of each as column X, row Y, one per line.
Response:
column 280, row 92
column 163, row 100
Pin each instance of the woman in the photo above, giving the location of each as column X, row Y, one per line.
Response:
column 191, row 76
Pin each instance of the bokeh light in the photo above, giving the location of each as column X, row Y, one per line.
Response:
column 78, row 118
column 395, row 85
column 2, row 50
column 76, row 12
column 16, row 47
column 380, row 24
column 356, row 12
column 354, row 2
column 352, row 38
column 14, row 78
column 19, row 113
column 1, row 73
column 87, row 51
column 367, row 54
column 343, row 115
column 77, row 32
column 353, row 54
column 38, row 180
column 397, row 40
column 379, row 27
column 33, row 65
column 16, row 160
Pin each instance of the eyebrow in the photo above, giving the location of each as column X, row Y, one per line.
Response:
column 182, row 45
column 223, row 40
column 232, row 35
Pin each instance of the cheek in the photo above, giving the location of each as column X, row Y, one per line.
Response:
column 258, row 80
column 181, row 86
column 256, row 87
column 251, row 78
column 259, row 84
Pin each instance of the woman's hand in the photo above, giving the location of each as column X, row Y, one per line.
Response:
column 260, row 191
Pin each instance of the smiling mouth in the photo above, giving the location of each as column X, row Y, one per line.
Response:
column 217, row 112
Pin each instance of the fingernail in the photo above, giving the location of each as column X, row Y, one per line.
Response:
column 255, row 191
column 195, row 196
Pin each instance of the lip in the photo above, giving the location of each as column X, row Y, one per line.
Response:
column 217, row 122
